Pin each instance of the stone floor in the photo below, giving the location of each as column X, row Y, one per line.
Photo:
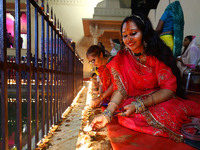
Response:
column 68, row 135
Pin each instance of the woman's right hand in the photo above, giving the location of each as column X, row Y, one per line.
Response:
column 95, row 102
column 99, row 122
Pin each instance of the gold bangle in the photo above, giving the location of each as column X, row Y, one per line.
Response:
column 141, row 106
column 108, row 113
column 107, row 118
column 114, row 104
column 153, row 100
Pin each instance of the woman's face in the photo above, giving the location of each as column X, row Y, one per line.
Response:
column 132, row 36
column 186, row 42
column 95, row 60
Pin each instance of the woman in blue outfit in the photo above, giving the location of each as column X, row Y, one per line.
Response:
column 170, row 27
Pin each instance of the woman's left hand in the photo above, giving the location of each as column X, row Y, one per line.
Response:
column 129, row 109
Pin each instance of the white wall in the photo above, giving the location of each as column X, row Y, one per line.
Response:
column 71, row 13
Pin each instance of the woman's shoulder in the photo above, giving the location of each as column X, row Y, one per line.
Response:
column 152, row 60
column 117, row 58
column 194, row 48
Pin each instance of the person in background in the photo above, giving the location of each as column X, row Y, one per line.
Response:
column 101, row 45
column 171, row 26
column 95, row 84
column 96, row 56
column 11, row 40
column 7, row 39
column 147, row 84
column 190, row 56
column 115, row 45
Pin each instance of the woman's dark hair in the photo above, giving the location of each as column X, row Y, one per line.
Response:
column 96, row 50
column 155, row 46
column 189, row 37
column 94, row 74
column 101, row 45
column 116, row 41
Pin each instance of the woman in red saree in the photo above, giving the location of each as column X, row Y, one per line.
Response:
column 98, row 57
column 146, row 83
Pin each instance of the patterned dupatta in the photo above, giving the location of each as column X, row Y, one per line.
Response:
column 178, row 24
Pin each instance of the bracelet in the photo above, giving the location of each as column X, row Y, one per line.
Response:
column 139, row 107
column 107, row 118
column 114, row 104
column 153, row 100
column 108, row 113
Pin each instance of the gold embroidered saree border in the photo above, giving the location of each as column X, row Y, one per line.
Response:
column 119, row 83
column 156, row 124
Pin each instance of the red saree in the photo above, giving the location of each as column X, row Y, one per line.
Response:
column 134, row 80
column 105, row 77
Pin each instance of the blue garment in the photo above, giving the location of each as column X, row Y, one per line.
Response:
column 167, row 18
column 178, row 25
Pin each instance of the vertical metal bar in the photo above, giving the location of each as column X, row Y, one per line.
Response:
column 51, row 102
column 47, row 50
column 51, row 49
column 61, row 76
column 57, row 69
column 187, row 83
column 54, row 87
column 36, row 81
column 65, row 78
column 74, row 70
column 43, row 73
column 60, row 85
column 18, row 73
column 4, row 77
column 29, row 109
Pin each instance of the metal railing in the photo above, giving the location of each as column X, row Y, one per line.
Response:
column 45, row 86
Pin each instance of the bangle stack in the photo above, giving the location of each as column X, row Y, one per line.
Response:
column 114, row 104
column 108, row 114
column 139, row 106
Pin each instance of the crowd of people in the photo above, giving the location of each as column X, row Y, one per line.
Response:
column 142, row 81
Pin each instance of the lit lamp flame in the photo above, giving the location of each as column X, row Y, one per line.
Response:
column 85, row 137
column 87, row 128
